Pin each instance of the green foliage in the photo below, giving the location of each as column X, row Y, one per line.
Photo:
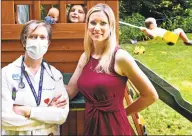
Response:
column 176, row 16
column 43, row 12
column 127, row 7
column 127, row 32
column 170, row 14
column 178, row 22
column 154, row 8
column 184, row 21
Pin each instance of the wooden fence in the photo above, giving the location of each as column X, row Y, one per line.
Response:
column 67, row 43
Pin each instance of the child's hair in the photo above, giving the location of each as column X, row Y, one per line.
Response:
column 72, row 5
column 150, row 21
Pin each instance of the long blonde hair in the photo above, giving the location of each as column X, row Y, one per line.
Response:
column 110, row 43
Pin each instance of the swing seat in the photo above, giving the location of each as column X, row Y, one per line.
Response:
column 170, row 37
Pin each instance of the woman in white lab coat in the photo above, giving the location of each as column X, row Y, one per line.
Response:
column 34, row 99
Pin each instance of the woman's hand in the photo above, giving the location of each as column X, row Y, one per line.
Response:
column 22, row 110
column 56, row 102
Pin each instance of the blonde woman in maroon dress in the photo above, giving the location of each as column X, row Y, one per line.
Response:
column 101, row 76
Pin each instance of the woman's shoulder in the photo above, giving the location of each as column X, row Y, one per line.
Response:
column 13, row 66
column 5, row 69
column 11, row 71
column 82, row 60
column 83, row 56
column 123, row 58
column 122, row 54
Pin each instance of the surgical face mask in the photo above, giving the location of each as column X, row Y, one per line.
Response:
column 36, row 48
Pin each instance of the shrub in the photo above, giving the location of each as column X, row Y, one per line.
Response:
column 178, row 22
column 126, row 32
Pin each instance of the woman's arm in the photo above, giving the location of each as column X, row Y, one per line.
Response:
column 56, row 113
column 53, row 114
column 126, row 66
column 72, row 85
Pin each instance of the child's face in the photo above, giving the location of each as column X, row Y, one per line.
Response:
column 153, row 25
column 55, row 16
column 77, row 14
column 54, row 13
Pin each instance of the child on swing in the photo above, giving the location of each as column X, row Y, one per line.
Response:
column 153, row 31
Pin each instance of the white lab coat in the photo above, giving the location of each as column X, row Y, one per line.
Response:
column 43, row 120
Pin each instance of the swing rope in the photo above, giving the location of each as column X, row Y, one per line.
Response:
column 169, row 37
column 129, row 24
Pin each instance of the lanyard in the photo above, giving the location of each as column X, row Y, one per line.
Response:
column 37, row 98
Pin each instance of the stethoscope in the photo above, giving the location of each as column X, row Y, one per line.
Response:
column 21, row 84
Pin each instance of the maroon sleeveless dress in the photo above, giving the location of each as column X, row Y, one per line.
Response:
column 103, row 93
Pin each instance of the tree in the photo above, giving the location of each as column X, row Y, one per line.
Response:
column 155, row 8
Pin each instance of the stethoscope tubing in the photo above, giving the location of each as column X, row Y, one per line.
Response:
column 21, row 84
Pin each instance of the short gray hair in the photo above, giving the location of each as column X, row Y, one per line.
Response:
column 31, row 26
column 150, row 21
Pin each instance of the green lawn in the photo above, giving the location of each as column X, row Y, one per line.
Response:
column 174, row 64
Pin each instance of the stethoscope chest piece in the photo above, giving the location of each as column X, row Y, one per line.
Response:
column 21, row 85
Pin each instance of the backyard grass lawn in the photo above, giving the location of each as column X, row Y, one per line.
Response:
column 174, row 64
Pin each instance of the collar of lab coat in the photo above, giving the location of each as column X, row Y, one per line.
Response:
column 18, row 61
